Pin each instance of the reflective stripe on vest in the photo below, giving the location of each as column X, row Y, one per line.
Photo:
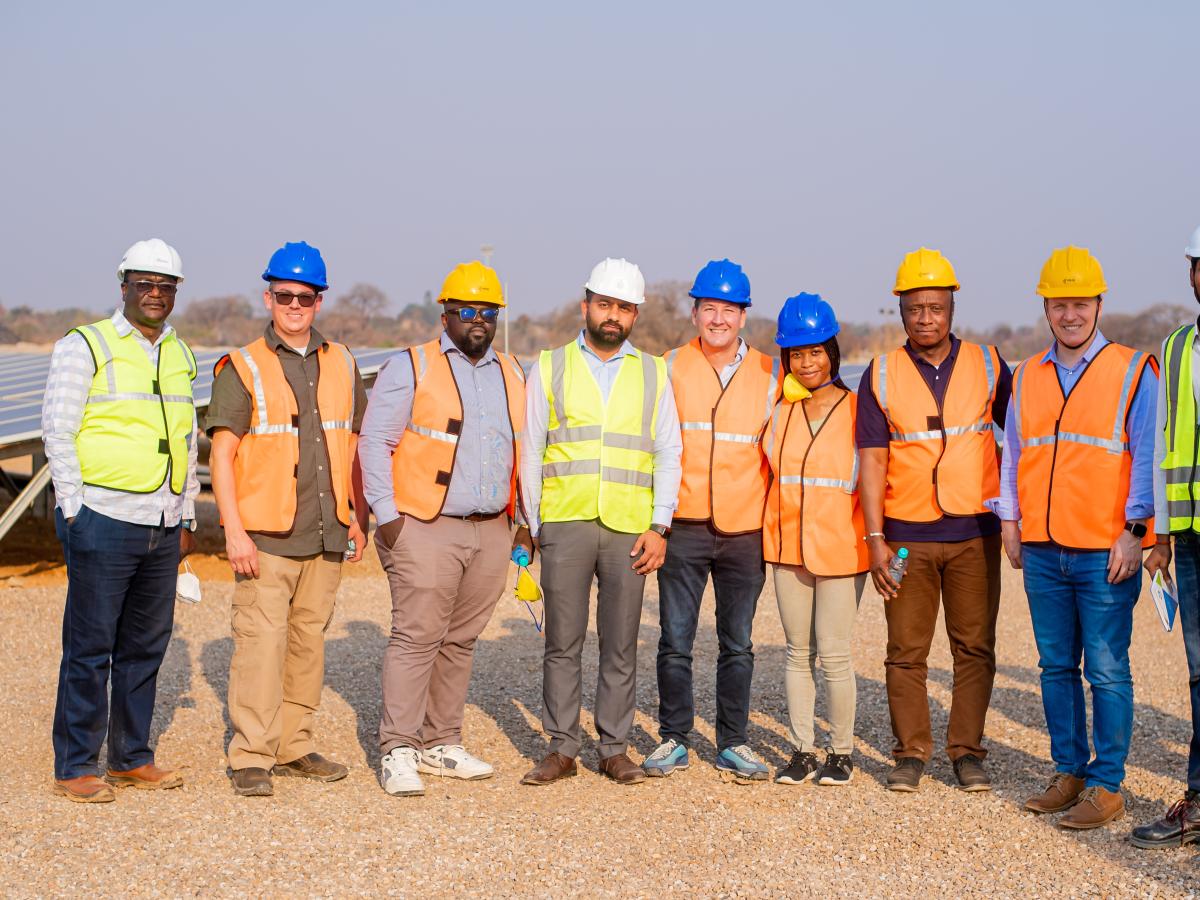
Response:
column 423, row 462
column 266, row 464
column 942, row 460
column 1073, row 474
column 137, row 421
column 599, row 457
column 813, row 517
column 725, row 473
column 1182, row 437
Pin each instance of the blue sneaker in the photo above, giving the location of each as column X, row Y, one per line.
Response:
column 666, row 758
column 741, row 764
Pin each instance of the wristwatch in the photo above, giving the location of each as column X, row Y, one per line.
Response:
column 1137, row 529
column 661, row 530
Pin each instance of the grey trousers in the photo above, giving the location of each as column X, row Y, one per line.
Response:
column 572, row 554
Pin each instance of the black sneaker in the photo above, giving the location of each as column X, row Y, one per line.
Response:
column 906, row 775
column 838, row 769
column 800, row 769
column 971, row 774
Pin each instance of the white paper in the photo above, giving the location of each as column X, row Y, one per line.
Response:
column 1162, row 590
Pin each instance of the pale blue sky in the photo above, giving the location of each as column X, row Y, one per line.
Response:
column 814, row 143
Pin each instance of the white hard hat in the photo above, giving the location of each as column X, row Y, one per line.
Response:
column 154, row 255
column 619, row 279
column 1193, row 247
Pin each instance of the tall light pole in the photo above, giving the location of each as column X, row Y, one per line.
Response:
column 487, row 250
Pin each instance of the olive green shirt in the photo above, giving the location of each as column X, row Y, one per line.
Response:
column 316, row 528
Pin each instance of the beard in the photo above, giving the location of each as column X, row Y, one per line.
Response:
column 607, row 337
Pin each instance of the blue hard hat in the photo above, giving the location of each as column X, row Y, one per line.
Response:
column 722, row 280
column 806, row 319
column 297, row 262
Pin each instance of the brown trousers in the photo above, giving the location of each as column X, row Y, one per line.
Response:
column 445, row 576
column 965, row 577
column 278, row 668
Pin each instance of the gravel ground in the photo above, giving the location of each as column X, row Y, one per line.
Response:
column 690, row 832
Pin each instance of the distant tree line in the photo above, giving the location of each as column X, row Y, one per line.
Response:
column 360, row 317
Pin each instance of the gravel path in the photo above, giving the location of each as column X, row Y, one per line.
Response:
column 690, row 832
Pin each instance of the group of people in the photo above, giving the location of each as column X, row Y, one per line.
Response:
column 713, row 462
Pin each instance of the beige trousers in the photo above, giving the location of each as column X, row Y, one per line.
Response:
column 818, row 621
column 278, row 667
column 445, row 576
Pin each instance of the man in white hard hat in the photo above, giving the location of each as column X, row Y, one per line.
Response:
column 120, row 434
column 1177, row 515
column 600, row 471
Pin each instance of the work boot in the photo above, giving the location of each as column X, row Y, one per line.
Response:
column 1095, row 807
column 252, row 782
column 906, row 775
column 1064, row 789
column 314, row 766
column 621, row 769
column 148, row 777
column 971, row 774
column 1180, row 826
column 552, row 767
column 85, row 789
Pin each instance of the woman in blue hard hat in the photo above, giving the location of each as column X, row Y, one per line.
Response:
column 813, row 534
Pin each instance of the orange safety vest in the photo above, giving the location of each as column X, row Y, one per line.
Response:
column 424, row 459
column 941, row 461
column 1073, row 474
column 267, row 459
column 724, row 471
column 813, row 516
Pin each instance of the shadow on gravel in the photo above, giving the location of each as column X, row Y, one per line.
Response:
column 173, row 688
column 352, row 668
column 214, row 663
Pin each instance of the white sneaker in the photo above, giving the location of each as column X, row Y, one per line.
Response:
column 453, row 761
column 398, row 773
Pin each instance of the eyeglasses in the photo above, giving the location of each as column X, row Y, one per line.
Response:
column 164, row 288
column 285, row 298
column 469, row 314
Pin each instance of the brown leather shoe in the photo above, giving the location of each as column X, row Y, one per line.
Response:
column 1095, row 807
column 552, row 767
column 1061, row 793
column 621, row 769
column 314, row 766
column 252, row 782
column 86, row 789
column 148, row 777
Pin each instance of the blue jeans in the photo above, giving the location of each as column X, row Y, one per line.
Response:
column 118, row 617
column 1187, row 580
column 1078, row 615
column 694, row 551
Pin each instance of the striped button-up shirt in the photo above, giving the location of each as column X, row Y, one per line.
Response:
column 71, row 371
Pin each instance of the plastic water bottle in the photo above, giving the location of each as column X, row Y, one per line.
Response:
column 898, row 565
column 520, row 556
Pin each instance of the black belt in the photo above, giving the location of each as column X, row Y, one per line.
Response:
column 476, row 517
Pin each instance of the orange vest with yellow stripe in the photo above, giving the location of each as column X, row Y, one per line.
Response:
column 813, row 516
column 268, row 455
column 941, row 460
column 725, row 474
column 424, row 459
column 1074, row 471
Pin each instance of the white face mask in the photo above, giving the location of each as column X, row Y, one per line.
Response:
column 187, row 587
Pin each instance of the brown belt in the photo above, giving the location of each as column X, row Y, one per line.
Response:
column 476, row 517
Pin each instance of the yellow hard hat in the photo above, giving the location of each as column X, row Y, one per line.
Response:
column 924, row 268
column 1071, row 272
column 472, row 282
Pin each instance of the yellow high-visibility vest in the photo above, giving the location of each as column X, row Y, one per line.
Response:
column 137, row 424
column 1182, row 434
column 599, row 457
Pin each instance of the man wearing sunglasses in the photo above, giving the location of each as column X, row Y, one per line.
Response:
column 439, row 452
column 120, row 434
column 284, row 418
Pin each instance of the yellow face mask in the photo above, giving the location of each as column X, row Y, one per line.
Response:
column 793, row 390
column 527, row 588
